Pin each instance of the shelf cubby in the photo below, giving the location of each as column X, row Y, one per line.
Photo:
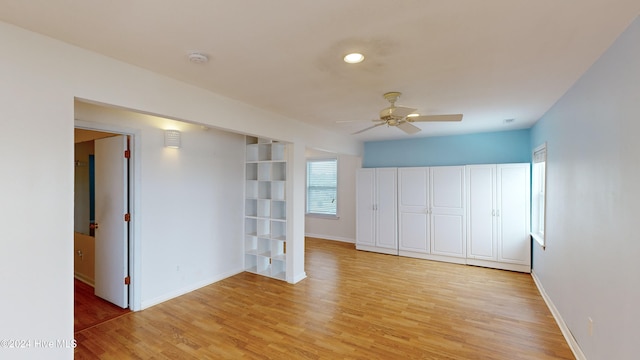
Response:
column 263, row 228
column 252, row 152
column 250, row 245
column 264, row 152
column 250, row 226
column 264, row 171
column 263, row 208
column 251, row 172
column 278, row 269
column 278, row 152
column 264, row 190
column 278, row 250
column 264, row 247
column 251, row 189
column 251, row 207
column 278, row 189
column 263, row 265
column 279, row 171
column 250, row 263
column 278, row 230
column 278, row 210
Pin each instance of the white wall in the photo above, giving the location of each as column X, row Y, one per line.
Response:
column 191, row 202
column 344, row 227
column 39, row 79
column 591, row 266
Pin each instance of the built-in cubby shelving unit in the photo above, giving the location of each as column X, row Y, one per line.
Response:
column 265, row 232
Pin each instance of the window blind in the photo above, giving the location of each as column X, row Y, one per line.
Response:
column 540, row 155
column 322, row 186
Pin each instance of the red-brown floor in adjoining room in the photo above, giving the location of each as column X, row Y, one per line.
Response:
column 90, row 310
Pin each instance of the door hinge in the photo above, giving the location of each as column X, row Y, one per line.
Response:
column 127, row 280
column 127, row 154
column 127, row 217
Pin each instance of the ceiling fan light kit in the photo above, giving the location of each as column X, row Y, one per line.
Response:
column 402, row 117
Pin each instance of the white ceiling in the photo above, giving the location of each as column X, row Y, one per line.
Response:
column 490, row 60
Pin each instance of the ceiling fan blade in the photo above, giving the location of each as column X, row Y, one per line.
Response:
column 401, row 111
column 369, row 128
column 450, row 117
column 408, row 127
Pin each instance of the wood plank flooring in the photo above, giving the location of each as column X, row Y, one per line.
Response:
column 90, row 310
column 353, row 305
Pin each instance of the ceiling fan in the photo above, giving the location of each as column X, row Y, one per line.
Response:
column 403, row 117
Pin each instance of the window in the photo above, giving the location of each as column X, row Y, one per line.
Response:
column 538, row 193
column 322, row 187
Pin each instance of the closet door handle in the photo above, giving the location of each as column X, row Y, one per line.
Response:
column 493, row 212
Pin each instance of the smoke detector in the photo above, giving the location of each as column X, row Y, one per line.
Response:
column 198, row 58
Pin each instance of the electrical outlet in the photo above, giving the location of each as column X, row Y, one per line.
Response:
column 590, row 326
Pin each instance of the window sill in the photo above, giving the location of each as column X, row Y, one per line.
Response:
column 539, row 239
column 323, row 216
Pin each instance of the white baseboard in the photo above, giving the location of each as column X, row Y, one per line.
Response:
column 334, row 238
column 84, row 279
column 573, row 344
column 299, row 277
column 160, row 299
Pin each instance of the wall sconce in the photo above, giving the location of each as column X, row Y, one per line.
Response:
column 172, row 139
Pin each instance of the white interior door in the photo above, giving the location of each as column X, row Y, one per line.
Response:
column 111, row 234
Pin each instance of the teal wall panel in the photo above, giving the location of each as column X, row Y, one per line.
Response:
column 482, row 148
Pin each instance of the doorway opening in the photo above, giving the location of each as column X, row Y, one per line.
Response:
column 102, row 226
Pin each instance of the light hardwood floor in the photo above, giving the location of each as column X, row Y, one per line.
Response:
column 89, row 310
column 353, row 305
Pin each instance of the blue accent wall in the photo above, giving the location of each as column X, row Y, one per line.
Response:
column 483, row 148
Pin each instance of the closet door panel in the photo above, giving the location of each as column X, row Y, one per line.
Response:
column 513, row 217
column 448, row 235
column 447, row 184
column 448, row 216
column 414, row 232
column 413, row 209
column 481, row 223
column 386, row 214
column 365, row 207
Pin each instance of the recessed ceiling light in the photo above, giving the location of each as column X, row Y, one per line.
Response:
column 353, row 58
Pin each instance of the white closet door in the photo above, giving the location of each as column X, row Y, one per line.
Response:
column 386, row 213
column 481, row 211
column 513, row 193
column 413, row 209
column 448, row 225
column 365, row 207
